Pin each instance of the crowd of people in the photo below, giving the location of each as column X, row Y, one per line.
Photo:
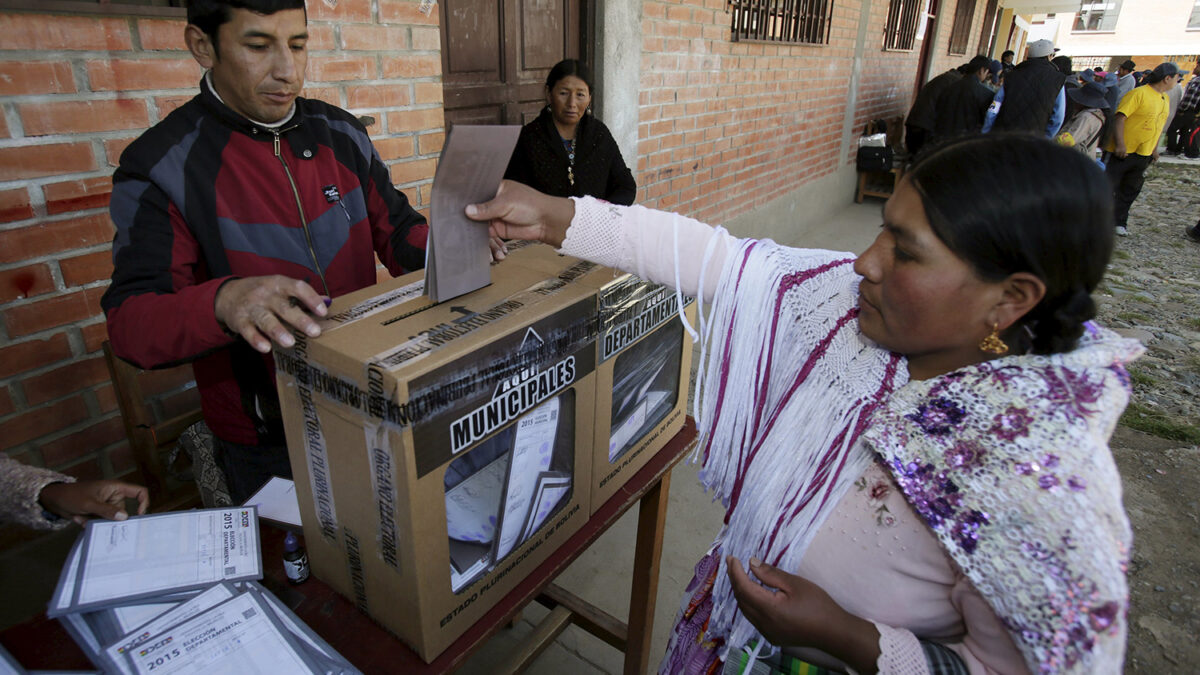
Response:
column 911, row 444
column 1115, row 118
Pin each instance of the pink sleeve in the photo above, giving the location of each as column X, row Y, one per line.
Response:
column 662, row 247
column 986, row 647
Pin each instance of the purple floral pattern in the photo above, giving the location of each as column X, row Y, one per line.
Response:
column 1007, row 463
column 1012, row 423
column 939, row 416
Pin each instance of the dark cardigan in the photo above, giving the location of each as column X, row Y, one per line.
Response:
column 540, row 161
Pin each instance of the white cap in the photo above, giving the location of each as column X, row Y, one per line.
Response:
column 1039, row 48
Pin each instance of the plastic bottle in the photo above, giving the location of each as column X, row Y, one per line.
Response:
column 295, row 560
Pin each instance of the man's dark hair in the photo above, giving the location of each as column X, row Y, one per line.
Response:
column 976, row 64
column 1129, row 65
column 208, row 15
column 1030, row 206
column 1007, row 53
column 1063, row 63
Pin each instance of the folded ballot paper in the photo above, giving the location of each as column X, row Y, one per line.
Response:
column 176, row 593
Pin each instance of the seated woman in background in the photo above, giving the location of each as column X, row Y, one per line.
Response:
column 911, row 444
column 566, row 151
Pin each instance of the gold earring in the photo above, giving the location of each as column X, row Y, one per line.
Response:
column 992, row 344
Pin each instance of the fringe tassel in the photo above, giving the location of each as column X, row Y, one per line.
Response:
column 778, row 443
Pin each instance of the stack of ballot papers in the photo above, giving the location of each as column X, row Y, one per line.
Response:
column 178, row 593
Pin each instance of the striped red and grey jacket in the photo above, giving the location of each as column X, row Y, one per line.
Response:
column 206, row 196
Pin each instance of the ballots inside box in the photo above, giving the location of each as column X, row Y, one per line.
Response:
column 501, row 492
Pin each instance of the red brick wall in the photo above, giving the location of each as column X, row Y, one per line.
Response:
column 74, row 91
column 726, row 127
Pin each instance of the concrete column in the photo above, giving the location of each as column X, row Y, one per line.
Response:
column 618, row 71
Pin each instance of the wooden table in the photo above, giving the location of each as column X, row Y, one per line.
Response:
column 42, row 644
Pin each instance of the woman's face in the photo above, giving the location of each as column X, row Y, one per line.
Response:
column 569, row 98
column 917, row 297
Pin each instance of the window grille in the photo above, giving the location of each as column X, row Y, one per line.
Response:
column 790, row 21
column 1194, row 19
column 1097, row 15
column 173, row 8
column 960, row 34
column 900, row 31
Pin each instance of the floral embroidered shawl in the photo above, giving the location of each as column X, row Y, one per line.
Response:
column 1007, row 461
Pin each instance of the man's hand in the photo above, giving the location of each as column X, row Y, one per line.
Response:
column 499, row 248
column 520, row 212
column 261, row 310
column 1119, row 149
column 102, row 498
column 800, row 614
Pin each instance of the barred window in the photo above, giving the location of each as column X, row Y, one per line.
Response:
column 900, row 31
column 126, row 7
column 792, row 21
column 1097, row 15
column 960, row 34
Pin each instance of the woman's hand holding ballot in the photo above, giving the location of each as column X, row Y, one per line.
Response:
column 520, row 212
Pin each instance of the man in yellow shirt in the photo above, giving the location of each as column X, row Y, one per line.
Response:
column 1133, row 143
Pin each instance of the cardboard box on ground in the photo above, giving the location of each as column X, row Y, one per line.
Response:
column 442, row 452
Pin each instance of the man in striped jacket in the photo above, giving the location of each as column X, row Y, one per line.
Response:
column 238, row 217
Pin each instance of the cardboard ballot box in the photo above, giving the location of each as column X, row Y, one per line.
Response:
column 441, row 452
column 644, row 359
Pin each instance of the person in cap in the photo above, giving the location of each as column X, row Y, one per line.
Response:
column 961, row 108
column 1133, row 143
column 1086, row 121
column 995, row 69
column 1032, row 97
column 1180, row 128
column 1174, row 95
column 1125, row 79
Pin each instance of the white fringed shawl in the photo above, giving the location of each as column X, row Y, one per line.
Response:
column 780, row 458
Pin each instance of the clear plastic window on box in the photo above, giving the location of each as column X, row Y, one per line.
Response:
column 645, row 387
column 501, row 492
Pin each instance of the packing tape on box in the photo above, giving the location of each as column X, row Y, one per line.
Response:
column 631, row 308
column 377, row 304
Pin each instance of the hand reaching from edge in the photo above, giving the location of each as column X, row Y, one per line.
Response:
column 98, row 498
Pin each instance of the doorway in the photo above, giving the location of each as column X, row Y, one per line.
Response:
column 496, row 55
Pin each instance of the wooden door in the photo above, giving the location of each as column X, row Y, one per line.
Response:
column 496, row 55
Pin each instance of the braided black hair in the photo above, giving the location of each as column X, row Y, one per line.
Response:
column 1008, row 203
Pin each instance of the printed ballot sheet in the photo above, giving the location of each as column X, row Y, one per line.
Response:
column 533, row 449
column 152, row 555
column 240, row 636
column 457, row 256
column 114, row 654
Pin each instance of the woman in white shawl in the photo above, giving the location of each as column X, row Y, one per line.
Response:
column 912, row 445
